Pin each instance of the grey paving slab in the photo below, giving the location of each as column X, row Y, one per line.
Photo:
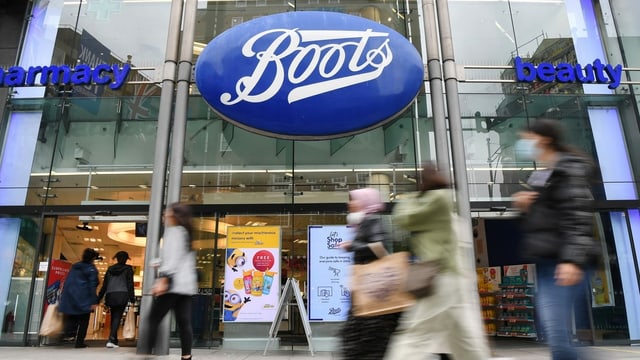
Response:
column 534, row 352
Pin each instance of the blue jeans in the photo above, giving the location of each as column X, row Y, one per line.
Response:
column 555, row 309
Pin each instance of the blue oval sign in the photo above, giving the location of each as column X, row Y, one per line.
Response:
column 309, row 75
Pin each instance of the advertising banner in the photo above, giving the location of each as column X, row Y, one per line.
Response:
column 489, row 279
column 521, row 274
column 92, row 53
column 57, row 274
column 251, row 275
column 329, row 297
column 602, row 293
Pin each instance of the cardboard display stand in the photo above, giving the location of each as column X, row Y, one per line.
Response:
column 291, row 288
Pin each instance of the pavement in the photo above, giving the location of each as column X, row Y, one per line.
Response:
column 503, row 351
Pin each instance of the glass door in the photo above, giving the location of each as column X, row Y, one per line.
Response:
column 614, row 282
column 108, row 236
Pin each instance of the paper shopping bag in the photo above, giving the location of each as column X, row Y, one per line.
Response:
column 129, row 330
column 52, row 323
column 379, row 287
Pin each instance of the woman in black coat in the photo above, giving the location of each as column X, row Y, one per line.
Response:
column 117, row 289
column 79, row 297
column 558, row 228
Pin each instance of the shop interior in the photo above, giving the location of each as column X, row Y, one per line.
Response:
column 112, row 234
column 506, row 284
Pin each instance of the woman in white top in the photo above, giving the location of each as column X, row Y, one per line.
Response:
column 177, row 279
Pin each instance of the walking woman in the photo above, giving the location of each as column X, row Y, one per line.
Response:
column 177, row 280
column 366, row 338
column 117, row 289
column 558, row 228
column 446, row 321
column 79, row 297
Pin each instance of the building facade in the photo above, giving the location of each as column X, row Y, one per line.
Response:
column 80, row 161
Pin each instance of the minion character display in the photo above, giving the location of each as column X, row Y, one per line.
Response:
column 236, row 258
column 232, row 304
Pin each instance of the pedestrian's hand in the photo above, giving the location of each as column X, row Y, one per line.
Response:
column 568, row 274
column 522, row 200
column 160, row 286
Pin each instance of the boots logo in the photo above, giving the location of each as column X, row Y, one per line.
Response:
column 288, row 43
column 309, row 75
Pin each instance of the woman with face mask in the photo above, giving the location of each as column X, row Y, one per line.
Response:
column 558, row 228
column 366, row 337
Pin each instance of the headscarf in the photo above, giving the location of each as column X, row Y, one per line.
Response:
column 368, row 200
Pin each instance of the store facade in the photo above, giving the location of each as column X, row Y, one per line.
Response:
column 80, row 158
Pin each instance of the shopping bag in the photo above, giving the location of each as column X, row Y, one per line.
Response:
column 420, row 278
column 52, row 323
column 379, row 287
column 129, row 330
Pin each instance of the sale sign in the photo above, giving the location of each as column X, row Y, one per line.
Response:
column 252, row 269
column 57, row 274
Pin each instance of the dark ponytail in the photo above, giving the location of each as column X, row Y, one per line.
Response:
column 183, row 215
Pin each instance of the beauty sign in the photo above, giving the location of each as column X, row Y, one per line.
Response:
column 329, row 297
column 251, row 275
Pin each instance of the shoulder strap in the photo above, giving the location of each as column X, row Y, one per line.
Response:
column 378, row 249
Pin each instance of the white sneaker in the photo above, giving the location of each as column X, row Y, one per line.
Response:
column 112, row 345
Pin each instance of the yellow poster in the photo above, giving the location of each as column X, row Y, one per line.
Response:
column 600, row 289
column 252, row 268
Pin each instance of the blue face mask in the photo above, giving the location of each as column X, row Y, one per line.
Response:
column 526, row 149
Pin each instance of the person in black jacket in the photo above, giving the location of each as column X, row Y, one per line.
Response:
column 78, row 298
column 117, row 289
column 366, row 338
column 558, row 228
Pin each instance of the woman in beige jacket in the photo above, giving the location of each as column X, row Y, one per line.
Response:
column 447, row 321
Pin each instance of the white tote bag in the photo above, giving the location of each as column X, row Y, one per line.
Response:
column 129, row 330
column 52, row 322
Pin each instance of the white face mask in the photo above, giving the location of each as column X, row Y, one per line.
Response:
column 355, row 218
column 526, row 149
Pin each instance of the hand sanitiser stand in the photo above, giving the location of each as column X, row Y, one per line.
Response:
column 291, row 288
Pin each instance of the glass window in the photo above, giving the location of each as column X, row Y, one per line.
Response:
column 24, row 263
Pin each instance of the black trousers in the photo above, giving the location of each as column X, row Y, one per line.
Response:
column 76, row 325
column 116, row 317
column 181, row 306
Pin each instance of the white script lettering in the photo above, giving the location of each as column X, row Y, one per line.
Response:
column 326, row 60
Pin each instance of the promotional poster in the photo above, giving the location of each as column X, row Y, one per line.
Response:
column 252, row 273
column 57, row 274
column 489, row 279
column 329, row 297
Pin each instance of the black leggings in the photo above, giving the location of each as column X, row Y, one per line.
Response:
column 76, row 325
column 181, row 305
column 116, row 317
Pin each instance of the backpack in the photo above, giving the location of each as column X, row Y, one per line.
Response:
column 117, row 292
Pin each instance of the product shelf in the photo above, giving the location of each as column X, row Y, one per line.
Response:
column 516, row 334
column 515, row 302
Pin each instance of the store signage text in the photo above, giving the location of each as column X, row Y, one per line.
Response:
column 597, row 73
column 309, row 75
column 82, row 74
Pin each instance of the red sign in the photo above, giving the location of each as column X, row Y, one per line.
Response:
column 57, row 274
